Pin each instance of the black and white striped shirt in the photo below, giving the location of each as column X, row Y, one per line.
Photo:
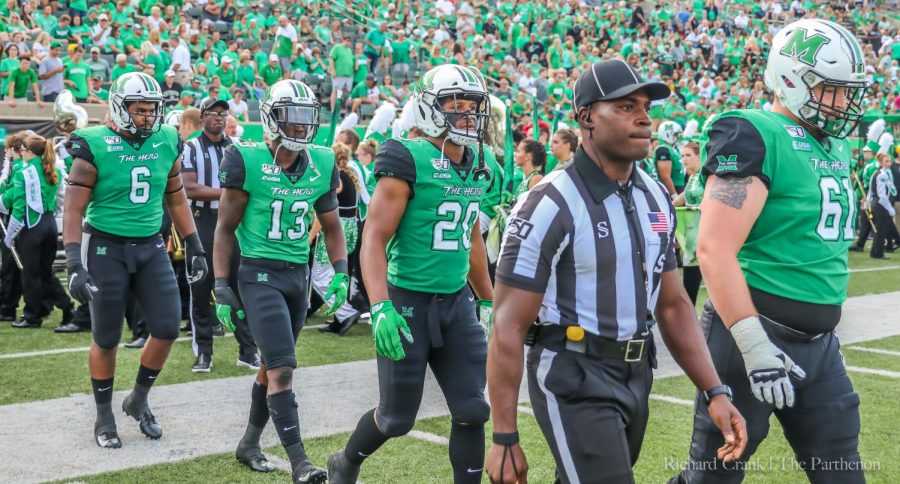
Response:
column 574, row 239
column 203, row 156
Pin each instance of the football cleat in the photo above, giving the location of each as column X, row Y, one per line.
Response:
column 309, row 474
column 145, row 418
column 253, row 458
column 108, row 440
column 340, row 470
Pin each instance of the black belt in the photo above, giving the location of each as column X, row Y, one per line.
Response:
column 554, row 337
column 272, row 263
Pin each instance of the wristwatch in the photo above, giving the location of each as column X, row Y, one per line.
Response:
column 719, row 390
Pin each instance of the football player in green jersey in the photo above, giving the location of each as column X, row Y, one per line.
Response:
column 420, row 245
column 778, row 217
column 669, row 169
column 119, row 180
column 268, row 199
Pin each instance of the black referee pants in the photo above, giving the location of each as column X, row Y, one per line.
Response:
column 884, row 226
column 822, row 427
column 202, row 314
column 40, row 287
column 592, row 411
column 10, row 279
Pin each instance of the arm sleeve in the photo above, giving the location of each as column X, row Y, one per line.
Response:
column 537, row 231
column 328, row 201
column 232, row 171
column 187, row 158
column 662, row 154
column 394, row 160
column 79, row 148
column 734, row 149
column 16, row 196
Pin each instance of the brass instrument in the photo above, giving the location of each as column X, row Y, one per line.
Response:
column 175, row 246
column 67, row 117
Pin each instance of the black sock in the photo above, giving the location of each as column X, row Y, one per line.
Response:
column 467, row 452
column 259, row 415
column 365, row 440
column 145, row 379
column 103, row 391
column 283, row 409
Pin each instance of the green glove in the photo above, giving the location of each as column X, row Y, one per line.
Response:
column 339, row 287
column 386, row 322
column 485, row 310
column 226, row 303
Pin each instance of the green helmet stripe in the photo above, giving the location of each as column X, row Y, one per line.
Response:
column 856, row 54
column 141, row 77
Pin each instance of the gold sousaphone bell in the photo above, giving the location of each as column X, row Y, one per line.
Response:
column 175, row 246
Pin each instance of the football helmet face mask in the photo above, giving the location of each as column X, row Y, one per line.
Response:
column 668, row 132
column 290, row 114
column 453, row 99
column 136, row 104
column 816, row 70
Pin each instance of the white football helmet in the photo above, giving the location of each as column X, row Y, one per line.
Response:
column 290, row 114
column 451, row 81
column 810, row 52
column 130, row 88
column 668, row 132
column 173, row 118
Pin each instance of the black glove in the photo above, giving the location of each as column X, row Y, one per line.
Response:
column 199, row 269
column 81, row 285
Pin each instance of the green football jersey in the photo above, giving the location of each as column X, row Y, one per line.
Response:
column 665, row 152
column 797, row 248
column 430, row 250
column 280, row 201
column 127, row 199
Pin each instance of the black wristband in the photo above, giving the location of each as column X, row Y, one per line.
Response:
column 192, row 242
column 506, row 438
column 222, row 282
column 340, row 266
column 73, row 255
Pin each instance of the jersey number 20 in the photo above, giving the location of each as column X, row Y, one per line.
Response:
column 443, row 238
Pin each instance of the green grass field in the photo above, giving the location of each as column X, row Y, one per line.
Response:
column 410, row 459
column 665, row 445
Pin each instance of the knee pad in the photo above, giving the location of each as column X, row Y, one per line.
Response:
column 282, row 375
column 107, row 339
column 394, row 425
column 472, row 411
column 163, row 331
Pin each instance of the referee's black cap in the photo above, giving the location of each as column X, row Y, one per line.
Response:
column 213, row 102
column 612, row 79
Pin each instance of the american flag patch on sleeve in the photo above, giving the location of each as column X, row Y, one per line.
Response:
column 658, row 222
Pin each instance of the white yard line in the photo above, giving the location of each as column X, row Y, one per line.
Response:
column 668, row 399
column 874, row 371
column 872, row 350
column 874, row 269
column 524, row 409
column 429, row 437
column 78, row 349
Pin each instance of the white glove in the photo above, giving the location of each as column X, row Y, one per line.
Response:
column 12, row 230
column 767, row 365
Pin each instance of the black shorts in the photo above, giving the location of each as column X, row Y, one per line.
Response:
column 121, row 266
column 275, row 297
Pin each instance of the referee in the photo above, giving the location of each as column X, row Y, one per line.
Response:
column 588, row 253
column 200, row 164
